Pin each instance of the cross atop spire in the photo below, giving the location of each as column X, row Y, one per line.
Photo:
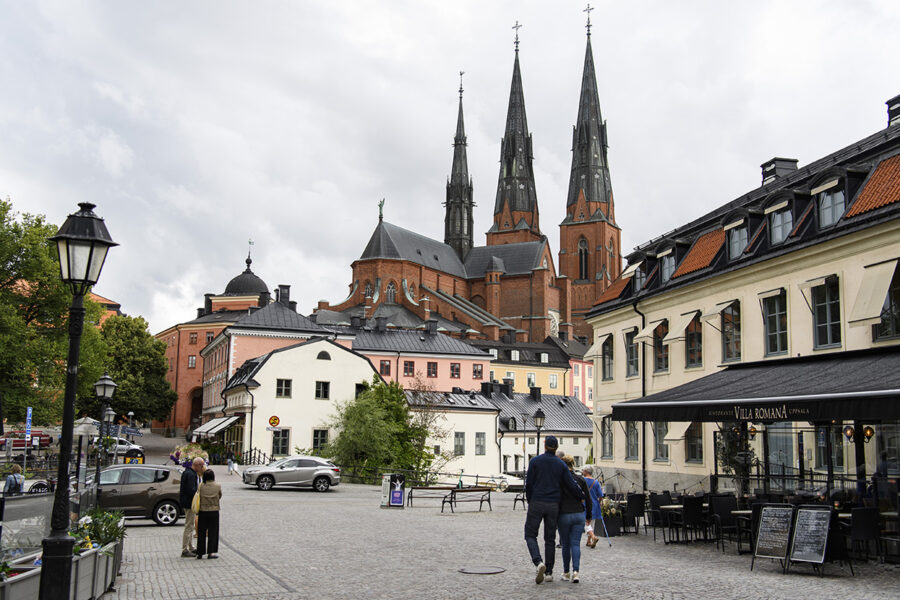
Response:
column 588, row 25
column 517, row 27
column 461, row 73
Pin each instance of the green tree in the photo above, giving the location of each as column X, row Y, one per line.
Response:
column 136, row 362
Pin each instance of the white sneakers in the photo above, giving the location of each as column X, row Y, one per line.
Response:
column 574, row 576
column 539, row 576
column 567, row 576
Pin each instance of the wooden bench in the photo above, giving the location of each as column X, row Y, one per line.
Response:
column 519, row 491
column 478, row 494
column 427, row 491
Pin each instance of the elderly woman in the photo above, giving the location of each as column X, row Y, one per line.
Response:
column 574, row 515
column 596, row 494
column 208, row 521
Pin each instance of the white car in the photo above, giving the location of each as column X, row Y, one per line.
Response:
column 119, row 446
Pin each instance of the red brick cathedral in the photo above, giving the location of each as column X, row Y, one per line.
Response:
column 510, row 287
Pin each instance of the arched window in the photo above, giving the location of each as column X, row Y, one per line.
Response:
column 368, row 292
column 512, row 424
column 323, row 356
column 390, row 293
column 582, row 259
column 412, row 290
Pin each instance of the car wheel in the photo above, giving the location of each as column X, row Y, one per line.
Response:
column 166, row 513
column 321, row 484
column 39, row 488
column 265, row 482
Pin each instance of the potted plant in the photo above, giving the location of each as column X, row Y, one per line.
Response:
column 612, row 517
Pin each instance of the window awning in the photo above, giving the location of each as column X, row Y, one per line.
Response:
column 647, row 332
column 872, row 293
column 596, row 348
column 715, row 311
column 677, row 431
column 860, row 384
column 206, row 426
column 222, row 425
column 630, row 269
column 678, row 333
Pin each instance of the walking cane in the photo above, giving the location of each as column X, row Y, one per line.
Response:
column 604, row 530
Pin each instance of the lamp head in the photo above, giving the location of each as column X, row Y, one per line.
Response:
column 82, row 241
column 539, row 417
column 849, row 432
column 105, row 387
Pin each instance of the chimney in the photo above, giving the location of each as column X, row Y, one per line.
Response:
column 207, row 303
column 283, row 294
column 355, row 322
column 487, row 388
column 431, row 326
column 564, row 336
column 293, row 305
column 893, row 110
column 380, row 324
column 264, row 299
column 507, row 387
column 777, row 167
column 426, row 306
column 536, row 394
column 200, row 312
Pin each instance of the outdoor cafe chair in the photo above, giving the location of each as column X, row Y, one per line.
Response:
column 865, row 527
column 634, row 512
column 689, row 520
column 724, row 523
column 654, row 517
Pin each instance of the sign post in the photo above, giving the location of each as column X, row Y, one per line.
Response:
column 773, row 533
column 810, row 535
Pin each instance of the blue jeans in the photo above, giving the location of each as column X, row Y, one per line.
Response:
column 571, row 526
column 538, row 512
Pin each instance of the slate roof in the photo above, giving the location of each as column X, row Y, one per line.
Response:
column 573, row 348
column 391, row 241
column 529, row 353
column 400, row 340
column 450, row 401
column 397, row 316
column 218, row 317
column 517, row 259
column 468, row 307
column 278, row 316
column 562, row 413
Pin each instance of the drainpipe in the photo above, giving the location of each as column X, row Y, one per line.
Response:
column 252, row 407
column 643, row 366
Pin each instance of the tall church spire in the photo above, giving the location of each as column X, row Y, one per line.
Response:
column 515, row 210
column 458, row 219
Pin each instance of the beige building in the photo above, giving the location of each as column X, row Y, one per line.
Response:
column 773, row 323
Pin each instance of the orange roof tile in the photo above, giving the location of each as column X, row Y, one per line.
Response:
column 101, row 300
column 613, row 291
column 701, row 253
column 883, row 188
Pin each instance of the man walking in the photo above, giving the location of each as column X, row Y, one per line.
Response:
column 190, row 480
column 546, row 477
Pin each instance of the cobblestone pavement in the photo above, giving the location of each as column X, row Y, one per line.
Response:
column 289, row 544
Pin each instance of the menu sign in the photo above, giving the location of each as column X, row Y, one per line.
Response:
column 774, row 533
column 810, row 534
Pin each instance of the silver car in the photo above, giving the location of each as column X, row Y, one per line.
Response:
column 296, row 471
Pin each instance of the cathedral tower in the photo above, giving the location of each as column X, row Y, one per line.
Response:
column 589, row 238
column 516, row 209
column 458, row 219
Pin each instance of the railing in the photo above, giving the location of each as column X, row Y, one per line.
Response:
column 255, row 457
column 373, row 475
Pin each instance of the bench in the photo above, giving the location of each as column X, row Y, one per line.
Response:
column 519, row 491
column 470, row 494
column 427, row 491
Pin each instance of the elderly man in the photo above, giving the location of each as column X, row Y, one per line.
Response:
column 546, row 477
column 190, row 481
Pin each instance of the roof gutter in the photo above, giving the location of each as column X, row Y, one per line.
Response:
column 643, row 366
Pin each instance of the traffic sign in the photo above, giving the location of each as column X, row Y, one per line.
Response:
column 131, row 431
column 27, row 425
column 274, row 421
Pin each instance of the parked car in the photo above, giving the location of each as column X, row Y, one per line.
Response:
column 119, row 446
column 143, row 491
column 296, row 471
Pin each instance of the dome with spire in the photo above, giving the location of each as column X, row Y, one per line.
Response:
column 246, row 284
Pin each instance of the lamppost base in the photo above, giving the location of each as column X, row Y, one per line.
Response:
column 56, row 567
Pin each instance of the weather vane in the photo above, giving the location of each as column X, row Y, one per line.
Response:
column 517, row 27
column 588, row 11
column 249, row 243
column 380, row 207
column 461, row 73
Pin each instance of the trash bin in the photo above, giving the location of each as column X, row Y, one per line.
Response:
column 134, row 457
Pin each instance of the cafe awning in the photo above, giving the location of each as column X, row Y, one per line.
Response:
column 202, row 429
column 861, row 384
column 222, row 425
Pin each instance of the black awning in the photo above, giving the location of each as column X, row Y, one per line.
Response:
column 861, row 384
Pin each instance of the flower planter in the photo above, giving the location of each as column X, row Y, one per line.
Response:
column 24, row 586
column 83, row 566
column 613, row 526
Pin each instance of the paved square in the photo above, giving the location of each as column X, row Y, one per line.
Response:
column 291, row 544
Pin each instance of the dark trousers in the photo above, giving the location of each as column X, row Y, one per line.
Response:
column 548, row 512
column 207, row 523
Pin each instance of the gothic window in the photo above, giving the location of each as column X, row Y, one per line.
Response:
column 582, row 259
column 390, row 293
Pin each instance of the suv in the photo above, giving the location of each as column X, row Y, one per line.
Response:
column 143, row 491
column 296, row 471
column 118, row 446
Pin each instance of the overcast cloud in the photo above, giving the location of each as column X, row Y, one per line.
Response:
column 195, row 126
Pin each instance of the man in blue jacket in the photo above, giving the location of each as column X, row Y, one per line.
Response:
column 547, row 474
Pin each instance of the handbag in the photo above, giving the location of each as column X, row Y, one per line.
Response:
column 195, row 503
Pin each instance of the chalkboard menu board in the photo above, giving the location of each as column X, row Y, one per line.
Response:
column 810, row 534
column 774, row 532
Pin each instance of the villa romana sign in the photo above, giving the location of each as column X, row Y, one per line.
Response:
column 760, row 412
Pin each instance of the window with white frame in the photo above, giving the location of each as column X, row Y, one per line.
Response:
column 737, row 241
column 826, row 303
column 514, row 355
column 511, row 375
column 530, row 379
column 192, row 361
column 553, row 381
column 575, row 368
column 780, row 224
column 667, row 266
column 830, row 206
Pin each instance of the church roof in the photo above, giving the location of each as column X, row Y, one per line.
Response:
column 517, row 259
column 391, row 241
column 246, row 284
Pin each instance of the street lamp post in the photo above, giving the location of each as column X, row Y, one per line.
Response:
column 538, row 417
column 106, row 420
column 83, row 242
column 104, row 390
column 131, row 424
column 109, row 416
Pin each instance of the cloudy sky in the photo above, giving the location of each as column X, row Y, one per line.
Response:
column 195, row 126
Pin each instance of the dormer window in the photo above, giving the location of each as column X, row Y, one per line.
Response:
column 640, row 278
column 667, row 266
column 737, row 240
column 514, row 355
column 781, row 221
column 493, row 352
column 831, row 206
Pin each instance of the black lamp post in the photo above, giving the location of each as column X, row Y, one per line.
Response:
column 109, row 417
column 83, row 241
column 538, row 424
column 103, row 389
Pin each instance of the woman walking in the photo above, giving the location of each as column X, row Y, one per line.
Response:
column 574, row 514
column 208, row 521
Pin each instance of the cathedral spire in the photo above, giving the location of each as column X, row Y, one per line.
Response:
column 590, row 169
column 515, row 209
column 458, row 219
